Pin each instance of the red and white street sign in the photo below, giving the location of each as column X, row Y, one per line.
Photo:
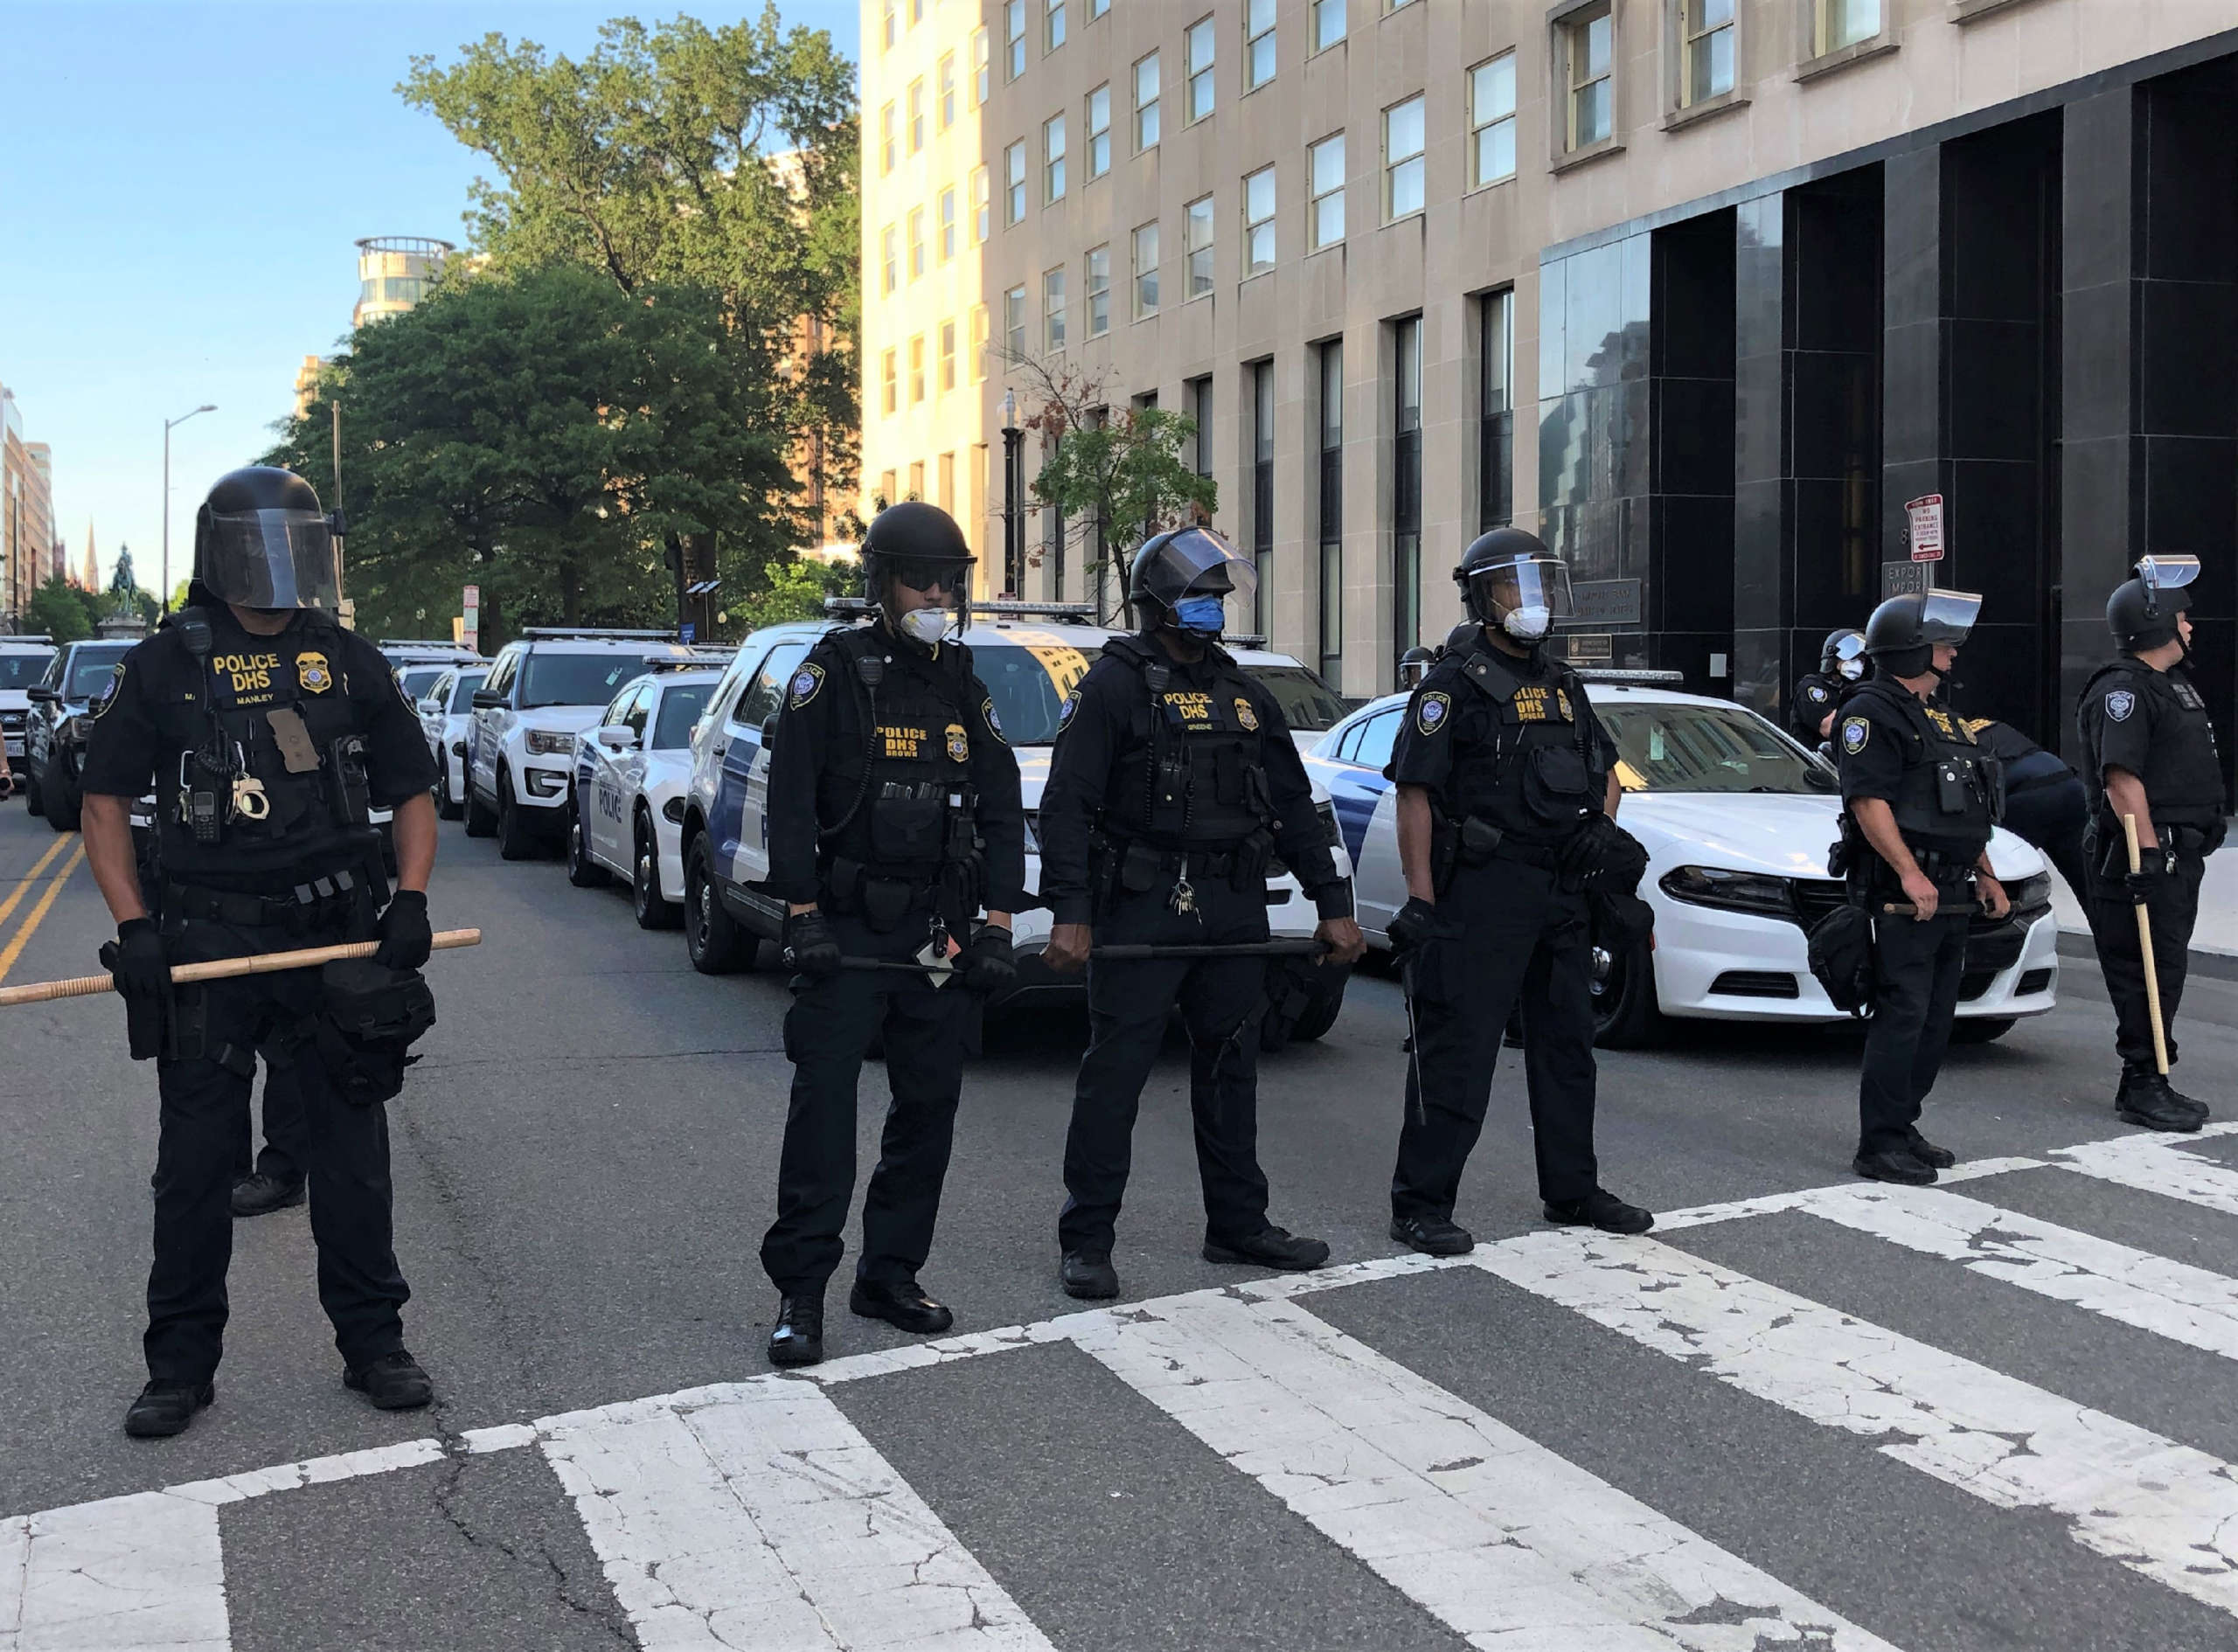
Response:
column 1926, row 516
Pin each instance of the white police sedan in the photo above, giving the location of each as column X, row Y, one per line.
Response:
column 1736, row 819
column 631, row 773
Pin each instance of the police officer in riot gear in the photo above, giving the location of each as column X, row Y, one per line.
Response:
column 894, row 819
column 1922, row 797
column 1507, row 800
column 1819, row 694
column 268, row 734
column 1413, row 664
column 2151, row 752
column 1173, row 783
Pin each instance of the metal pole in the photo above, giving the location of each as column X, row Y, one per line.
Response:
column 168, row 423
column 335, row 408
column 1013, row 528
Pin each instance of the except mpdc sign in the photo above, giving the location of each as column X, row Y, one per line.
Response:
column 1925, row 516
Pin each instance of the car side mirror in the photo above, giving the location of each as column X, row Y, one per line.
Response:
column 769, row 730
column 42, row 696
column 616, row 737
column 429, row 708
column 488, row 699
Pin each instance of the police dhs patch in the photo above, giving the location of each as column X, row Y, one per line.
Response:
column 959, row 748
column 2120, row 703
column 806, row 681
column 312, row 672
column 1855, row 731
column 1430, row 715
column 115, row 682
column 1246, row 715
column 994, row 724
column 1065, row 711
column 1817, row 695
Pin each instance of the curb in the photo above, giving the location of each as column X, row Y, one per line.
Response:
column 2214, row 966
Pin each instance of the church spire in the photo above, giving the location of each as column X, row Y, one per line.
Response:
column 90, row 579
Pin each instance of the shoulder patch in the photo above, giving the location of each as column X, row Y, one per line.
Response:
column 1065, row 711
column 1816, row 695
column 2119, row 703
column 994, row 724
column 115, row 682
column 1855, row 731
column 1431, row 712
column 806, row 682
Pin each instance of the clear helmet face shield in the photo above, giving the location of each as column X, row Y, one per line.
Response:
column 270, row 559
column 1194, row 569
column 2163, row 574
column 1525, row 597
column 1846, row 657
column 1947, row 616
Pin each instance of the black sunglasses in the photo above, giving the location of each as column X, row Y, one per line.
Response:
column 936, row 578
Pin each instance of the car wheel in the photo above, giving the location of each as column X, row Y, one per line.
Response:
column 582, row 870
column 515, row 841
column 447, row 806
column 34, row 802
column 481, row 820
column 60, row 798
column 1981, row 1028
column 1625, row 1013
column 1322, row 1015
column 1303, row 1002
column 651, row 911
column 716, row 942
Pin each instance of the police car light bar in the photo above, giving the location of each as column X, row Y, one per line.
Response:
column 41, row 637
column 1074, row 612
column 596, row 634
column 699, row 660
column 421, row 642
column 1639, row 678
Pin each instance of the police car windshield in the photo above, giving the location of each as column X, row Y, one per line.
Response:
column 1028, row 683
column 20, row 668
column 1308, row 704
column 462, row 695
column 92, row 669
column 419, row 679
column 1706, row 748
column 576, row 680
column 680, row 708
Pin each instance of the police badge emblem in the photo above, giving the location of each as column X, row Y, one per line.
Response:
column 1817, row 695
column 1245, row 715
column 959, row 748
column 1065, row 711
column 994, row 724
column 1429, row 715
column 1855, row 731
column 311, row 671
column 806, row 681
column 2120, row 703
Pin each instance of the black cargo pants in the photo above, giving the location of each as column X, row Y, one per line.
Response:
column 2173, row 910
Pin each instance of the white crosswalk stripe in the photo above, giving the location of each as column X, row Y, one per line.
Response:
column 144, row 1571
column 2157, row 1164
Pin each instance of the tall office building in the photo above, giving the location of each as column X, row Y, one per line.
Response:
column 393, row 273
column 26, row 510
column 1705, row 291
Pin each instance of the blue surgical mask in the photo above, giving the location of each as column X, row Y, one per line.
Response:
column 1202, row 614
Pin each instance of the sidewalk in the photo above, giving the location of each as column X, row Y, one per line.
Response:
column 2215, row 938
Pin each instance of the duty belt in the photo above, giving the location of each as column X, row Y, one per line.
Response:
column 308, row 905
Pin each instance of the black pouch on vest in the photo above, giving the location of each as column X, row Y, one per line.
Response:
column 886, row 902
column 1951, row 786
column 365, row 1028
column 1554, row 783
column 1139, row 869
column 905, row 825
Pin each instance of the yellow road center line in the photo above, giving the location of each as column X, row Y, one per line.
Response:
column 8, row 906
column 15, row 948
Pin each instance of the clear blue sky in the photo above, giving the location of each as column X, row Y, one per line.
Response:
column 180, row 188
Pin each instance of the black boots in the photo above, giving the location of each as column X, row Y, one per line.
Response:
column 260, row 1195
column 1088, row 1276
column 798, row 1336
column 164, row 1409
column 2145, row 1098
column 1600, row 1209
column 1269, row 1247
column 905, row 1307
column 392, row 1382
column 1433, row 1236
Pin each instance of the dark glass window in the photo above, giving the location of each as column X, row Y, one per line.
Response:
column 1407, row 488
column 1262, row 494
column 1496, row 415
column 1331, row 513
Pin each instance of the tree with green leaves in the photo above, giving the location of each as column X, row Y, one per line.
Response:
column 57, row 609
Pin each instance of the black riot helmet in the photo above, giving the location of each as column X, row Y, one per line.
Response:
column 1843, row 655
column 1414, row 665
column 1902, row 633
column 260, row 540
column 1183, row 579
column 2142, row 612
column 1509, row 581
column 920, row 546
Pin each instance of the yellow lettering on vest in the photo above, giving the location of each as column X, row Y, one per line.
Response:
column 901, row 742
column 1532, row 704
column 1192, row 706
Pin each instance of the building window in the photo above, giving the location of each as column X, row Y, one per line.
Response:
column 1332, row 514
column 1259, row 221
column 1258, row 43
column 1146, row 271
column 1098, row 291
column 1014, row 324
column 1495, row 413
column 916, row 117
column 887, row 484
column 1403, row 159
column 1706, row 35
column 948, row 225
column 888, row 139
column 916, row 242
column 1052, row 308
column 1492, row 120
column 1588, row 42
column 945, row 470
column 1262, row 494
column 1014, row 183
column 916, row 369
column 1198, row 394
column 1407, row 487
column 980, row 73
column 1844, row 23
column 1328, row 24
column 947, row 356
column 1053, row 159
column 916, row 12
column 1055, row 26
column 1146, row 103
column 981, row 206
column 1097, row 8
column 889, row 386
column 948, row 91
column 916, row 479
column 889, row 247
column 1099, row 131
column 890, row 24
column 1326, row 165
column 1013, row 40
column 1199, row 44
column 1198, row 243
column 978, row 342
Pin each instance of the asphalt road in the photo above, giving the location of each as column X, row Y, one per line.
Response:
column 1999, row 1422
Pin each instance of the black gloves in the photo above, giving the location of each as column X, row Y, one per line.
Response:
column 990, row 963
column 2155, row 868
column 405, row 938
column 810, row 947
column 136, row 962
column 1413, row 924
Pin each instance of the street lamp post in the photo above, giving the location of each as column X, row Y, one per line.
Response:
column 1013, row 530
column 168, row 423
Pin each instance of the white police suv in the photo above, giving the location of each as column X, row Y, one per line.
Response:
column 1029, row 655
column 446, row 710
column 23, row 661
column 631, row 774
column 544, row 688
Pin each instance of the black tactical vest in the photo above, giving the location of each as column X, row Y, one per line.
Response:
column 897, row 799
column 1955, row 794
column 2183, row 768
column 1540, row 779
column 1193, row 774
column 263, row 761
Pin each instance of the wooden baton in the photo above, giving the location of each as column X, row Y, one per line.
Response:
column 2144, row 946
column 262, row 963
